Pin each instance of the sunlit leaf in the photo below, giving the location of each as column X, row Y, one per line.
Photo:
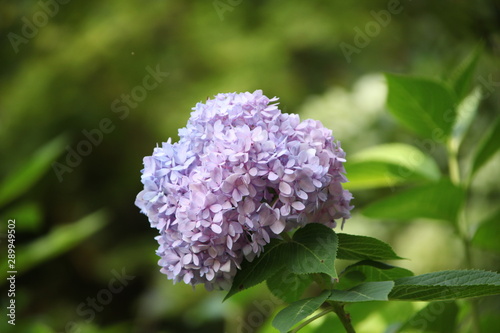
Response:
column 367, row 175
column 446, row 285
column 425, row 106
column 440, row 201
column 466, row 113
column 389, row 165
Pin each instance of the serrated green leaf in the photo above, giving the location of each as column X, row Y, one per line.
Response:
column 23, row 178
column 437, row 317
column 368, row 291
column 487, row 147
column 287, row 285
column 461, row 78
column 314, row 250
column 441, row 201
column 311, row 250
column 446, row 285
column 355, row 247
column 370, row 271
column 486, row 236
column 295, row 312
column 423, row 105
column 261, row 268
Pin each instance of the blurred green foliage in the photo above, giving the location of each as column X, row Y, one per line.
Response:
column 60, row 82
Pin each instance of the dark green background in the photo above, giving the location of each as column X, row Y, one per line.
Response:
column 63, row 78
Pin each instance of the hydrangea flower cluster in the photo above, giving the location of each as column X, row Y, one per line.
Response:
column 241, row 174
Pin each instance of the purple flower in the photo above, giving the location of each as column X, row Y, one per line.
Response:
column 241, row 174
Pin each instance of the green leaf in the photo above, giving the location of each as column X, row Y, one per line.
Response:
column 409, row 158
column 425, row 106
column 29, row 213
column 271, row 260
column 446, row 285
column 441, row 201
column 438, row 317
column 368, row 291
column 389, row 165
column 466, row 112
column 486, row 236
column 367, row 175
column 295, row 312
column 355, row 247
column 461, row 78
column 58, row 241
column 287, row 285
column 311, row 250
column 370, row 271
column 487, row 147
column 25, row 177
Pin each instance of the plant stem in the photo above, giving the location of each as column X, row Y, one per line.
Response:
column 344, row 317
column 461, row 224
column 321, row 314
column 476, row 327
column 453, row 166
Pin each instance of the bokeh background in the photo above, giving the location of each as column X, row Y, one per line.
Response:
column 71, row 70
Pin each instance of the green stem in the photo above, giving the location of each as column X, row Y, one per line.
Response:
column 476, row 327
column 461, row 224
column 321, row 314
column 466, row 241
column 344, row 317
column 453, row 166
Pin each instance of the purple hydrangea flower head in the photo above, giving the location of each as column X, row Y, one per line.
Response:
column 242, row 173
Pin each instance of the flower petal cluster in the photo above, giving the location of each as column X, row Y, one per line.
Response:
column 242, row 173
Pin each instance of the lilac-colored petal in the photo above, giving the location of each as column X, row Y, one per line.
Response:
column 298, row 205
column 216, row 228
column 285, row 188
column 272, row 176
column 216, row 208
column 278, row 226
